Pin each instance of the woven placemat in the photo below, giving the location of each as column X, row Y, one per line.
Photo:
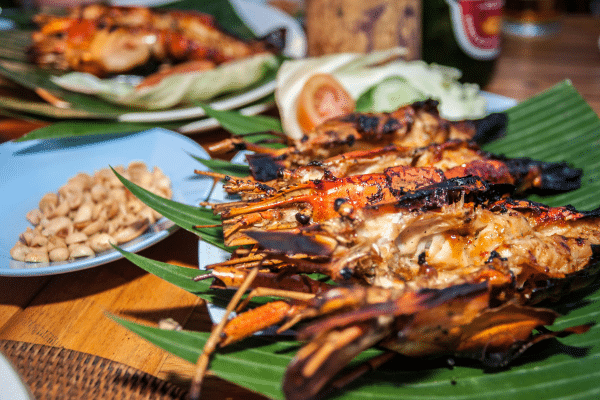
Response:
column 61, row 374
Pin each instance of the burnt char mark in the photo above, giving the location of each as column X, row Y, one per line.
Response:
column 391, row 125
column 560, row 177
column 471, row 188
column 335, row 139
column 490, row 128
column 494, row 254
column 302, row 219
column 263, row 167
column 592, row 213
column 429, row 106
column 149, row 67
column 377, row 196
column 367, row 124
column 265, row 188
column 556, row 177
column 543, row 211
column 337, row 203
column 352, row 117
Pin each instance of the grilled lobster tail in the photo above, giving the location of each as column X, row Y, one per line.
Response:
column 490, row 128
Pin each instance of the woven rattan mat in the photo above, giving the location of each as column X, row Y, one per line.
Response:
column 61, row 374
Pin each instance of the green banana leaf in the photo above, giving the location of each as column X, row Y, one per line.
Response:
column 555, row 125
column 239, row 124
column 85, row 128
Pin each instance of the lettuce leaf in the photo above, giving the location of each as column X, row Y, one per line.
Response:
column 175, row 89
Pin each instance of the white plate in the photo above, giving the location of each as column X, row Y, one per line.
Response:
column 34, row 168
column 261, row 19
column 12, row 387
column 209, row 254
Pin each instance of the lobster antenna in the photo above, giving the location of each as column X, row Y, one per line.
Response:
column 215, row 336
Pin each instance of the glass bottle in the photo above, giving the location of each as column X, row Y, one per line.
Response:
column 464, row 34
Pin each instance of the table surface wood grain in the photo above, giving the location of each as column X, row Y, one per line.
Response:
column 70, row 310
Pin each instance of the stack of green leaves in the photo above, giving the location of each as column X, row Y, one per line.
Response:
column 556, row 125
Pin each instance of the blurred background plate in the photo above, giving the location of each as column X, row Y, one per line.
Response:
column 34, row 168
column 258, row 20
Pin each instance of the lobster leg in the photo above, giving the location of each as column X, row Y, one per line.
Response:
column 255, row 320
column 316, row 363
column 263, row 292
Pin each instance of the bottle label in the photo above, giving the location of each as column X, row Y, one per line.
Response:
column 476, row 25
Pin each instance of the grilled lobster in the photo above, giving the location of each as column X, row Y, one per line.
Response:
column 414, row 125
column 437, row 236
column 466, row 320
column 315, row 201
column 454, row 157
column 104, row 40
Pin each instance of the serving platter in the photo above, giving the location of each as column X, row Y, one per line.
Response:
column 33, row 168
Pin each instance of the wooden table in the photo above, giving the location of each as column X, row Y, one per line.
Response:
column 70, row 310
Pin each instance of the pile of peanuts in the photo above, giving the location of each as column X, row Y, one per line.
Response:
column 89, row 213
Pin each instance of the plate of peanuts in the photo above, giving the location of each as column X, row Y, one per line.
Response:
column 66, row 208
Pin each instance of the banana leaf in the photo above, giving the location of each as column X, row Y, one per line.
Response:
column 221, row 10
column 557, row 125
column 85, row 128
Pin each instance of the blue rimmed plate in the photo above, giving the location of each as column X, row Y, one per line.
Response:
column 33, row 168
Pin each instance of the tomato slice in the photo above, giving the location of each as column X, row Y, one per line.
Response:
column 322, row 98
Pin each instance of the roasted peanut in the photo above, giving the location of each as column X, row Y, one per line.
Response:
column 84, row 213
column 89, row 213
column 37, row 255
column 95, row 227
column 60, row 226
column 34, row 216
column 101, row 242
column 48, row 203
column 76, row 237
column 39, row 240
column 19, row 251
column 59, row 254
column 27, row 236
column 80, row 250
column 131, row 231
column 99, row 192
